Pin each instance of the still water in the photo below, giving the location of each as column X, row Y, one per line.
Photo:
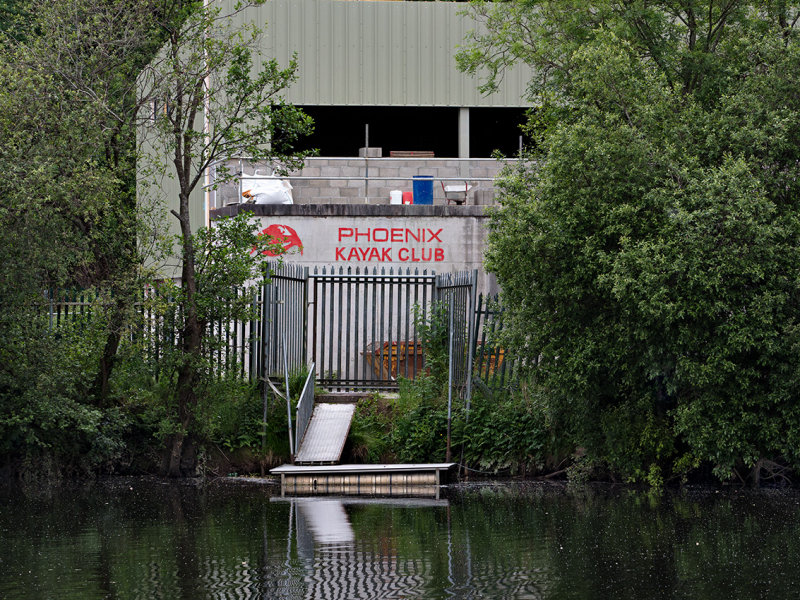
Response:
column 150, row 539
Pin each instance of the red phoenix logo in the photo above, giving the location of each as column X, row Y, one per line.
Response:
column 284, row 236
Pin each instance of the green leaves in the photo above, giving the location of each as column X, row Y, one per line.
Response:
column 648, row 259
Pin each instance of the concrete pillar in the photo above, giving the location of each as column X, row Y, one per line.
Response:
column 463, row 132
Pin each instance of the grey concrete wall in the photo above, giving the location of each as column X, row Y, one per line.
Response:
column 442, row 239
column 320, row 180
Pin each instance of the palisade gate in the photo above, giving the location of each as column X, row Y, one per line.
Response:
column 361, row 327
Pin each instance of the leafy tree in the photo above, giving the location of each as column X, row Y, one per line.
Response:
column 76, row 87
column 214, row 105
column 12, row 18
column 648, row 250
column 69, row 98
column 68, row 218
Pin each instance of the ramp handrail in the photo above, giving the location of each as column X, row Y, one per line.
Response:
column 305, row 407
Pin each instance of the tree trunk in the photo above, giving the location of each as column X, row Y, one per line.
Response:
column 191, row 340
column 109, row 356
column 187, row 400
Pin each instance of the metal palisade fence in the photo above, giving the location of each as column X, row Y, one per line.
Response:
column 284, row 319
column 492, row 366
column 456, row 293
column 365, row 326
column 360, row 326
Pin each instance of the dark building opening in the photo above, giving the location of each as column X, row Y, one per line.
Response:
column 340, row 130
column 492, row 129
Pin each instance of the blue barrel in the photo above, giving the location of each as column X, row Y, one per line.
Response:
column 423, row 189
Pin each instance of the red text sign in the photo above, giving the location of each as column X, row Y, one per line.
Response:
column 418, row 244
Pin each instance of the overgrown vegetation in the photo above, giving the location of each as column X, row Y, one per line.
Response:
column 648, row 249
column 504, row 432
column 80, row 80
column 221, row 98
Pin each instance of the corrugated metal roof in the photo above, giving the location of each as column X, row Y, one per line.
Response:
column 377, row 53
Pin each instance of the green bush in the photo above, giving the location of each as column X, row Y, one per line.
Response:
column 507, row 433
column 50, row 424
column 231, row 415
column 369, row 440
column 647, row 250
column 419, row 435
column 433, row 329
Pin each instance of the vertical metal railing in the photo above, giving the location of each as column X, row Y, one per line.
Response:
column 359, row 325
column 492, row 365
column 456, row 291
column 305, row 407
column 230, row 344
column 363, row 332
column 284, row 312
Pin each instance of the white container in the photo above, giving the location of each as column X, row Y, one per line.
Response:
column 395, row 197
column 261, row 189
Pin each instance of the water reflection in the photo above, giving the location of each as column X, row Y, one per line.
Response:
column 156, row 540
column 323, row 520
column 337, row 565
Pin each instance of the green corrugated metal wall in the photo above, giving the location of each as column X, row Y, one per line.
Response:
column 376, row 53
column 164, row 188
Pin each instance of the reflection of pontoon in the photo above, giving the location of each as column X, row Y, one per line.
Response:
column 325, row 519
column 337, row 565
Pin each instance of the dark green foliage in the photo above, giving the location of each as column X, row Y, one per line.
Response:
column 50, row 424
column 503, row 433
column 77, row 88
column 648, row 254
column 506, row 434
column 408, row 428
column 433, row 330
column 420, row 428
column 68, row 218
column 369, row 440
column 230, row 416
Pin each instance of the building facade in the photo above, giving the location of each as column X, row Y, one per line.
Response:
column 389, row 103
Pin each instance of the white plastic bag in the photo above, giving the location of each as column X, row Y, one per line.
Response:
column 266, row 190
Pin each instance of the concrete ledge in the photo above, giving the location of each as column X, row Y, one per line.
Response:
column 389, row 160
column 351, row 210
column 342, row 397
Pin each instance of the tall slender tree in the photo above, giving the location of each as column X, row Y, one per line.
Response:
column 214, row 105
column 76, row 93
column 68, row 72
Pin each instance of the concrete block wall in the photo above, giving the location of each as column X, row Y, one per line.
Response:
column 344, row 180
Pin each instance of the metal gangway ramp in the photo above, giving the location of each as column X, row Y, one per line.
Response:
column 326, row 434
column 322, row 427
